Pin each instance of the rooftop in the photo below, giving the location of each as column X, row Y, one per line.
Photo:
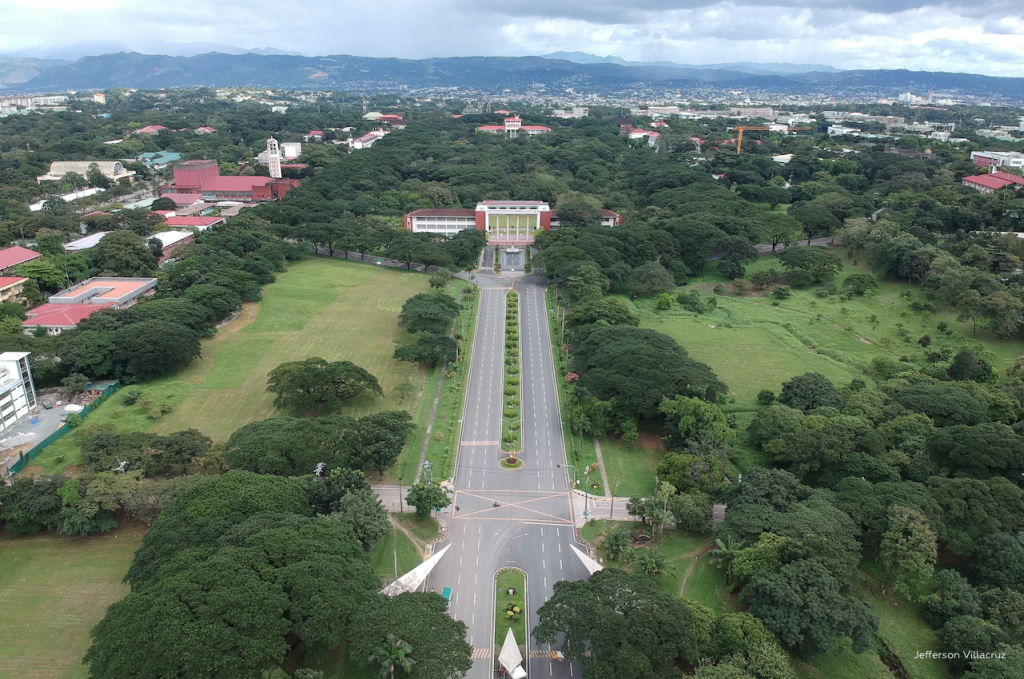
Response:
column 8, row 281
column 184, row 198
column 987, row 181
column 15, row 255
column 61, row 315
column 103, row 291
column 443, row 213
column 200, row 222
column 85, row 243
column 168, row 238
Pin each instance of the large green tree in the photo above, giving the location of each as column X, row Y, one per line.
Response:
column 618, row 624
column 639, row 368
column 807, row 608
column 318, row 386
column 428, row 312
column 908, row 550
column 421, row 619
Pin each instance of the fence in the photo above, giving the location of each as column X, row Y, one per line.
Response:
column 29, row 455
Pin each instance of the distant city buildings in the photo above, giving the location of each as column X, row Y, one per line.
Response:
column 998, row 159
column 575, row 112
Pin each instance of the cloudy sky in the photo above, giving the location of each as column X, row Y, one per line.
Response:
column 979, row 37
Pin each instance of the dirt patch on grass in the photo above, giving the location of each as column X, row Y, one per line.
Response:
column 248, row 314
column 650, row 441
column 419, row 544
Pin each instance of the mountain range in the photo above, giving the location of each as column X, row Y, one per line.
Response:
column 774, row 68
column 474, row 75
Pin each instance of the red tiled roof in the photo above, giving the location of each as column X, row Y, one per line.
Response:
column 9, row 280
column 535, row 127
column 1007, row 177
column 443, row 213
column 312, row 132
column 148, row 129
column 63, row 315
column 491, row 127
column 987, row 181
column 15, row 255
column 502, row 112
column 193, row 221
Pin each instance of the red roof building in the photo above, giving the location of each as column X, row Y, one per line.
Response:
column 203, row 178
column 57, row 318
column 1007, row 177
column 150, row 129
column 205, row 130
column 13, row 256
column 986, row 183
column 10, row 288
column 315, row 135
column 184, row 199
column 201, row 223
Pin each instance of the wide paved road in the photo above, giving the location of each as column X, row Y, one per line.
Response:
column 532, row 527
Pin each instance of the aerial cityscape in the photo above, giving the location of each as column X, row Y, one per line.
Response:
column 565, row 340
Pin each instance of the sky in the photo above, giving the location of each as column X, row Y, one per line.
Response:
column 977, row 37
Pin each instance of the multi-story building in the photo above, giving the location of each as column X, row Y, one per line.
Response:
column 17, row 391
column 998, row 158
column 202, row 177
column 505, row 222
column 10, row 289
column 513, row 127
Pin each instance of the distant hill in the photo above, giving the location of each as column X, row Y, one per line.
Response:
column 774, row 68
column 16, row 71
column 518, row 75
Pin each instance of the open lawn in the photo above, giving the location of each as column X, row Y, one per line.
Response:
column 751, row 344
column 323, row 307
column 383, row 554
column 902, row 625
column 843, row 663
column 53, row 590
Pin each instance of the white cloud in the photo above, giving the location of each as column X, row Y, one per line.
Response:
column 915, row 34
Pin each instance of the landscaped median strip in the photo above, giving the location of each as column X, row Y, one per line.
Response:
column 510, row 611
column 511, row 427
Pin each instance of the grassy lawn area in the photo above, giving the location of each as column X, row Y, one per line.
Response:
column 902, row 625
column 506, row 578
column 320, row 307
column 52, row 591
column 382, row 556
column 843, row 663
column 706, row 585
column 631, row 466
column 422, row 530
column 679, row 547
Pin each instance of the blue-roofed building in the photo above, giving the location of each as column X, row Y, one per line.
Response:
column 159, row 159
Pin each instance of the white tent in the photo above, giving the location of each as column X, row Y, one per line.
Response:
column 411, row 581
column 589, row 563
column 510, row 657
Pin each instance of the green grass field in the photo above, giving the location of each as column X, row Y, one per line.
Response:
column 320, row 307
column 52, row 591
column 383, row 554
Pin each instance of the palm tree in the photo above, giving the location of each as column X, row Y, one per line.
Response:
column 658, row 518
column 393, row 653
column 726, row 552
column 652, row 564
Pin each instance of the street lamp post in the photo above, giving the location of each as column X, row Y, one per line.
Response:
column 573, row 472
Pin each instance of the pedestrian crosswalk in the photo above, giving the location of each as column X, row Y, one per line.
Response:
column 481, row 653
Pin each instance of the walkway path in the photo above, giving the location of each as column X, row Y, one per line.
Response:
column 699, row 555
column 600, row 466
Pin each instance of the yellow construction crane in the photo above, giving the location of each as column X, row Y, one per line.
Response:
column 740, row 129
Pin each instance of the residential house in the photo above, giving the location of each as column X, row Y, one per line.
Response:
column 10, row 289
column 150, row 129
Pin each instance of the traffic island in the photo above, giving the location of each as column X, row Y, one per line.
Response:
column 509, row 610
column 511, row 462
column 511, row 424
